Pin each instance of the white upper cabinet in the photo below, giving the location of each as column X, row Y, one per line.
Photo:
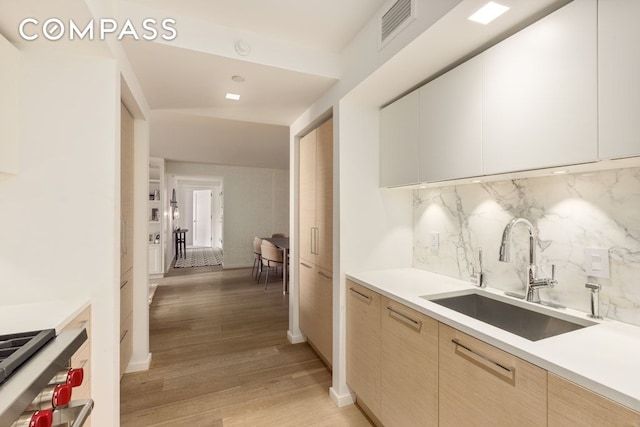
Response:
column 9, row 106
column 540, row 93
column 619, row 81
column 399, row 142
column 451, row 124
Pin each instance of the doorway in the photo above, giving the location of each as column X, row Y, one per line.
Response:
column 202, row 218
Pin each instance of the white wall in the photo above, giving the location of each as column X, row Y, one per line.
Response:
column 60, row 212
column 256, row 203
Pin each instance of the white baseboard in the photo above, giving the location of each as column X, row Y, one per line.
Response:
column 137, row 366
column 296, row 337
column 341, row 400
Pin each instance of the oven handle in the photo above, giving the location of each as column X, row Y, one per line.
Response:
column 76, row 413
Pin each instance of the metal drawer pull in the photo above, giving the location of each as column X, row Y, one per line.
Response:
column 509, row 373
column 404, row 318
column 305, row 265
column 367, row 298
column 123, row 284
column 126, row 331
column 321, row 274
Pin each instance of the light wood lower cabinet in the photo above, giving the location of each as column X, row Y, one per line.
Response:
column 316, row 308
column 126, row 343
column 363, row 345
column 409, row 371
column 481, row 385
column 573, row 405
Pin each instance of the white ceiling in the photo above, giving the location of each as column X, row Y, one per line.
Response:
column 294, row 59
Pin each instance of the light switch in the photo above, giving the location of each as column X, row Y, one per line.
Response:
column 596, row 262
column 434, row 241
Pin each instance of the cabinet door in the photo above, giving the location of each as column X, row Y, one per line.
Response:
column 9, row 107
column 323, row 341
column 618, row 83
column 307, row 299
column 572, row 405
column 451, row 124
column 324, row 196
column 481, row 385
column 126, row 343
column 126, row 190
column 540, row 93
column 409, row 373
column 399, row 142
column 155, row 259
column 363, row 345
column 307, row 191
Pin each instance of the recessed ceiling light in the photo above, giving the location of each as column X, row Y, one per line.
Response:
column 233, row 96
column 237, row 79
column 488, row 13
column 242, row 47
column 476, row 181
column 559, row 172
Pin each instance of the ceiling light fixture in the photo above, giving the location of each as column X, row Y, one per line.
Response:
column 237, row 79
column 233, row 96
column 488, row 13
column 476, row 181
column 561, row 172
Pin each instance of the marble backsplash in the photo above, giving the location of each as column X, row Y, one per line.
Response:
column 570, row 212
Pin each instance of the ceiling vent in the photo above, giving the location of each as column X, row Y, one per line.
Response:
column 395, row 16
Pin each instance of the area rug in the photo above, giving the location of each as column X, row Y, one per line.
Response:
column 200, row 257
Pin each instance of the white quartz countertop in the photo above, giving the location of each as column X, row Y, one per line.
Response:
column 604, row 357
column 35, row 316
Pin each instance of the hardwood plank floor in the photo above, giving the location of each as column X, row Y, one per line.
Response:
column 221, row 358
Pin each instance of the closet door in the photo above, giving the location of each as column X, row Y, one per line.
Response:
column 307, row 201
column 323, row 244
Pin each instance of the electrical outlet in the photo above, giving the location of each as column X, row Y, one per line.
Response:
column 434, row 241
column 596, row 262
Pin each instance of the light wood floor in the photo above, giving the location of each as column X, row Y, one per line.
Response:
column 221, row 358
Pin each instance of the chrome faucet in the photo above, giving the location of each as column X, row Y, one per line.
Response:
column 533, row 283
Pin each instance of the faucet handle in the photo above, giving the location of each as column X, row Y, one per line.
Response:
column 593, row 287
column 553, row 275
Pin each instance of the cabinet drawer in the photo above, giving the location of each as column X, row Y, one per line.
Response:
column 573, row 405
column 126, row 295
column 126, row 343
column 482, row 385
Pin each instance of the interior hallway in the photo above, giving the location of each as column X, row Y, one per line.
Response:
column 221, row 357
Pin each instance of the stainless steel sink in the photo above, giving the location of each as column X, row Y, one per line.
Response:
column 521, row 321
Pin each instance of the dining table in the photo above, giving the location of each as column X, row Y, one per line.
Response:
column 282, row 243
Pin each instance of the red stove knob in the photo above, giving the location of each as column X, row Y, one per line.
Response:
column 42, row 418
column 75, row 377
column 61, row 395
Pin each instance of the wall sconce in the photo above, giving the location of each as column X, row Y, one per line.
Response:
column 175, row 213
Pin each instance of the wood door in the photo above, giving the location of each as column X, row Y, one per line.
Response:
column 480, row 385
column 324, row 196
column 126, row 190
column 573, row 405
column 363, row 345
column 306, row 200
column 409, row 373
column 307, row 299
column 323, row 308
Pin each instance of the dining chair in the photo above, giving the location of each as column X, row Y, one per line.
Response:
column 257, row 260
column 271, row 258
